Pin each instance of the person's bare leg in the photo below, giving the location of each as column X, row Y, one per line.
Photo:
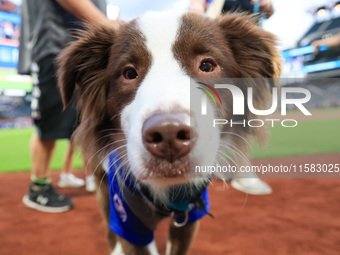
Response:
column 41, row 155
column 90, row 180
column 41, row 195
column 249, row 182
column 67, row 178
column 68, row 159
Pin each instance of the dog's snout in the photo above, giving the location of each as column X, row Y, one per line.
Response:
column 168, row 135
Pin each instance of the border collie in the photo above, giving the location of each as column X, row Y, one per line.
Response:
column 135, row 86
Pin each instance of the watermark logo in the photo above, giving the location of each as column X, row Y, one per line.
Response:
column 298, row 97
column 204, row 98
column 239, row 99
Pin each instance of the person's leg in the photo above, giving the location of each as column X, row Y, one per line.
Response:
column 68, row 159
column 90, row 179
column 90, row 183
column 249, row 182
column 67, row 178
column 42, row 195
column 52, row 123
column 41, row 155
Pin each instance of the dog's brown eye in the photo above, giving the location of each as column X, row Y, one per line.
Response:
column 207, row 66
column 130, row 74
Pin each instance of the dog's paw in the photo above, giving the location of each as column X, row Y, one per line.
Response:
column 118, row 250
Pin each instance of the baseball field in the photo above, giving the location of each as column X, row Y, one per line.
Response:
column 300, row 217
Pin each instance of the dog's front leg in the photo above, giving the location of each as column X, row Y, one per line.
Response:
column 181, row 238
column 131, row 249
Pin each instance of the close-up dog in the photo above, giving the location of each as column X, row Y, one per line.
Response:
column 135, row 86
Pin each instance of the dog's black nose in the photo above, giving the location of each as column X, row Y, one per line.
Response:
column 168, row 135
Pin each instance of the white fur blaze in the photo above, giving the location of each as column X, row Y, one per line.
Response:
column 165, row 89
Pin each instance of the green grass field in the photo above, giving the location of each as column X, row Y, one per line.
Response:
column 14, row 151
column 14, row 81
column 309, row 137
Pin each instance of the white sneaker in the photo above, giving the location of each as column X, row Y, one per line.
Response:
column 70, row 181
column 253, row 186
column 90, row 184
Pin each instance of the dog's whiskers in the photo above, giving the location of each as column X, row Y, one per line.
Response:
column 101, row 149
column 104, row 158
column 115, row 116
column 111, row 134
column 235, row 150
column 119, row 158
column 238, row 135
column 126, row 173
column 111, row 129
column 222, row 155
column 111, row 166
column 177, row 193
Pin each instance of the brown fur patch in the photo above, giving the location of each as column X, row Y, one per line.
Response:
column 243, row 52
column 92, row 67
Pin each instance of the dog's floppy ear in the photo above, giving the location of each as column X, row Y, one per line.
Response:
column 253, row 48
column 84, row 61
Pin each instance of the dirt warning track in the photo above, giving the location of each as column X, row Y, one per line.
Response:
column 301, row 217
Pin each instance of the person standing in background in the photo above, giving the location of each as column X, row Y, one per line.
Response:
column 331, row 42
column 45, row 31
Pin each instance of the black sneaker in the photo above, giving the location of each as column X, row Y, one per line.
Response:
column 46, row 199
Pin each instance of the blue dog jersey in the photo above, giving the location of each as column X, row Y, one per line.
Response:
column 123, row 219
